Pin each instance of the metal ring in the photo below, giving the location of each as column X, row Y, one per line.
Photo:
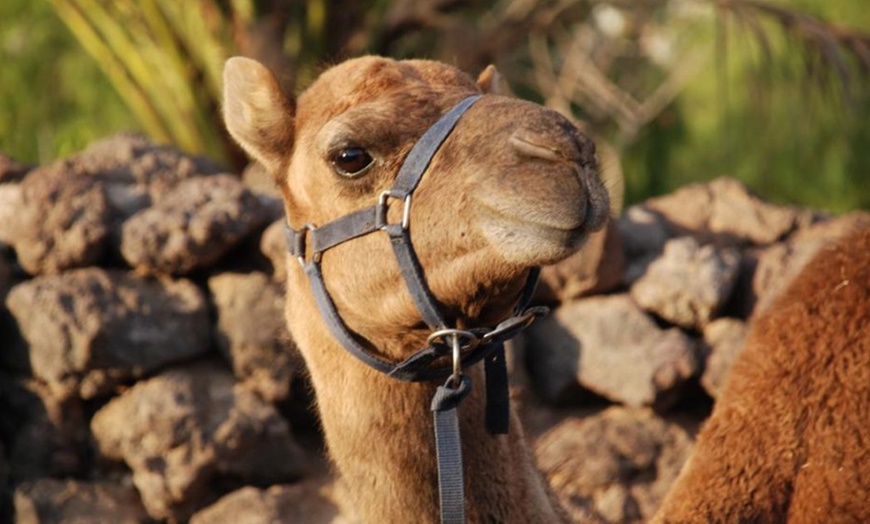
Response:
column 406, row 212
column 456, row 336
column 457, row 360
column 442, row 334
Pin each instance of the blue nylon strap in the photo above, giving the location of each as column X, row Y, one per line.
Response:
column 336, row 325
column 498, row 400
column 528, row 291
column 407, row 180
column 348, row 227
column 448, row 448
column 497, row 392
column 400, row 239
column 424, row 150
column 418, row 366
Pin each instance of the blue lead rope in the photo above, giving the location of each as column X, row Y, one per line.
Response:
column 448, row 446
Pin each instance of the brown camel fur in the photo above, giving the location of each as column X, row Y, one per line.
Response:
column 789, row 439
column 513, row 187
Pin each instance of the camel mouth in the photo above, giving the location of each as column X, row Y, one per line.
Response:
column 565, row 233
column 531, row 242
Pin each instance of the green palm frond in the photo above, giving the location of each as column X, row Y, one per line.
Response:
column 164, row 58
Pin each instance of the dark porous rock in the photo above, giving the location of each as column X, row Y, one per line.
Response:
column 609, row 346
column 252, row 333
column 725, row 210
column 596, row 268
column 307, row 502
column 636, row 267
column 11, row 196
column 642, row 231
column 273, row 244
column 14, row 350
column 6, row 280
column 46, row 432
column 72, row 210
column 832, row 229
column 188, row 434
column 90, row 329
column 136, row 172
column 643, row 234
column 781, row 262
column 689, row 283
column 616, row 466
column 62, row 221
column 52, row 501
column 723, row 340
column 257, row 179
column 774, row 267
column 192, row 227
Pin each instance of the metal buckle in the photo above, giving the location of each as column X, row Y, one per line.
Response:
column 515, row 324
column 300, row 245
column 381, row 216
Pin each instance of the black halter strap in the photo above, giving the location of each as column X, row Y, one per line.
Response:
column 463, row 347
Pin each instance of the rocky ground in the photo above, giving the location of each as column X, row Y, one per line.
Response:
column 146, row 373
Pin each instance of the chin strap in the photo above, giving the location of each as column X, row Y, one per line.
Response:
column 460, row 348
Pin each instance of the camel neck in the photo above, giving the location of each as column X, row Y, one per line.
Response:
column 379, row 433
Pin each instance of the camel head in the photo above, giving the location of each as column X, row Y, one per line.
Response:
column 514, row 186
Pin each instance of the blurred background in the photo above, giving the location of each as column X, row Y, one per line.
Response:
column 776, row 93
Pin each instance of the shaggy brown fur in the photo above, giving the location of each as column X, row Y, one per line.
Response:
column 513, row 187
column 789, row 439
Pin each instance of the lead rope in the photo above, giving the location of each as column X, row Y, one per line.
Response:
column 448, row 448
column 480, row 344
column 448, row 440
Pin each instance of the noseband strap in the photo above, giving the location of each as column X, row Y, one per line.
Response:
column 463, row 347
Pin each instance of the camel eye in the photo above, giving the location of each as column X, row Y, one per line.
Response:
column 351, row 162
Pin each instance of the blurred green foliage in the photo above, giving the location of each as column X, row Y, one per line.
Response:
column 54, row 99
column 791, row 133
column 746, row 95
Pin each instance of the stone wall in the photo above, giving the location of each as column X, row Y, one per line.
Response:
column 146, row 372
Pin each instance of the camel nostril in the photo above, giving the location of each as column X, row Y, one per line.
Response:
column 525, row 146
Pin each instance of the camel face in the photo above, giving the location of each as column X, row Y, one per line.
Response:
column 514, row 186
column 521, row 176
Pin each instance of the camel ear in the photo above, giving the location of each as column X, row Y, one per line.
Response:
column 492, row 82
column 257, row 113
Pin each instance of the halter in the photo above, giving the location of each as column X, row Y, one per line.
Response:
column 463, row 348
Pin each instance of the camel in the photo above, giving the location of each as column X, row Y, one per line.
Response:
column 512, row 187
column 788, row 438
